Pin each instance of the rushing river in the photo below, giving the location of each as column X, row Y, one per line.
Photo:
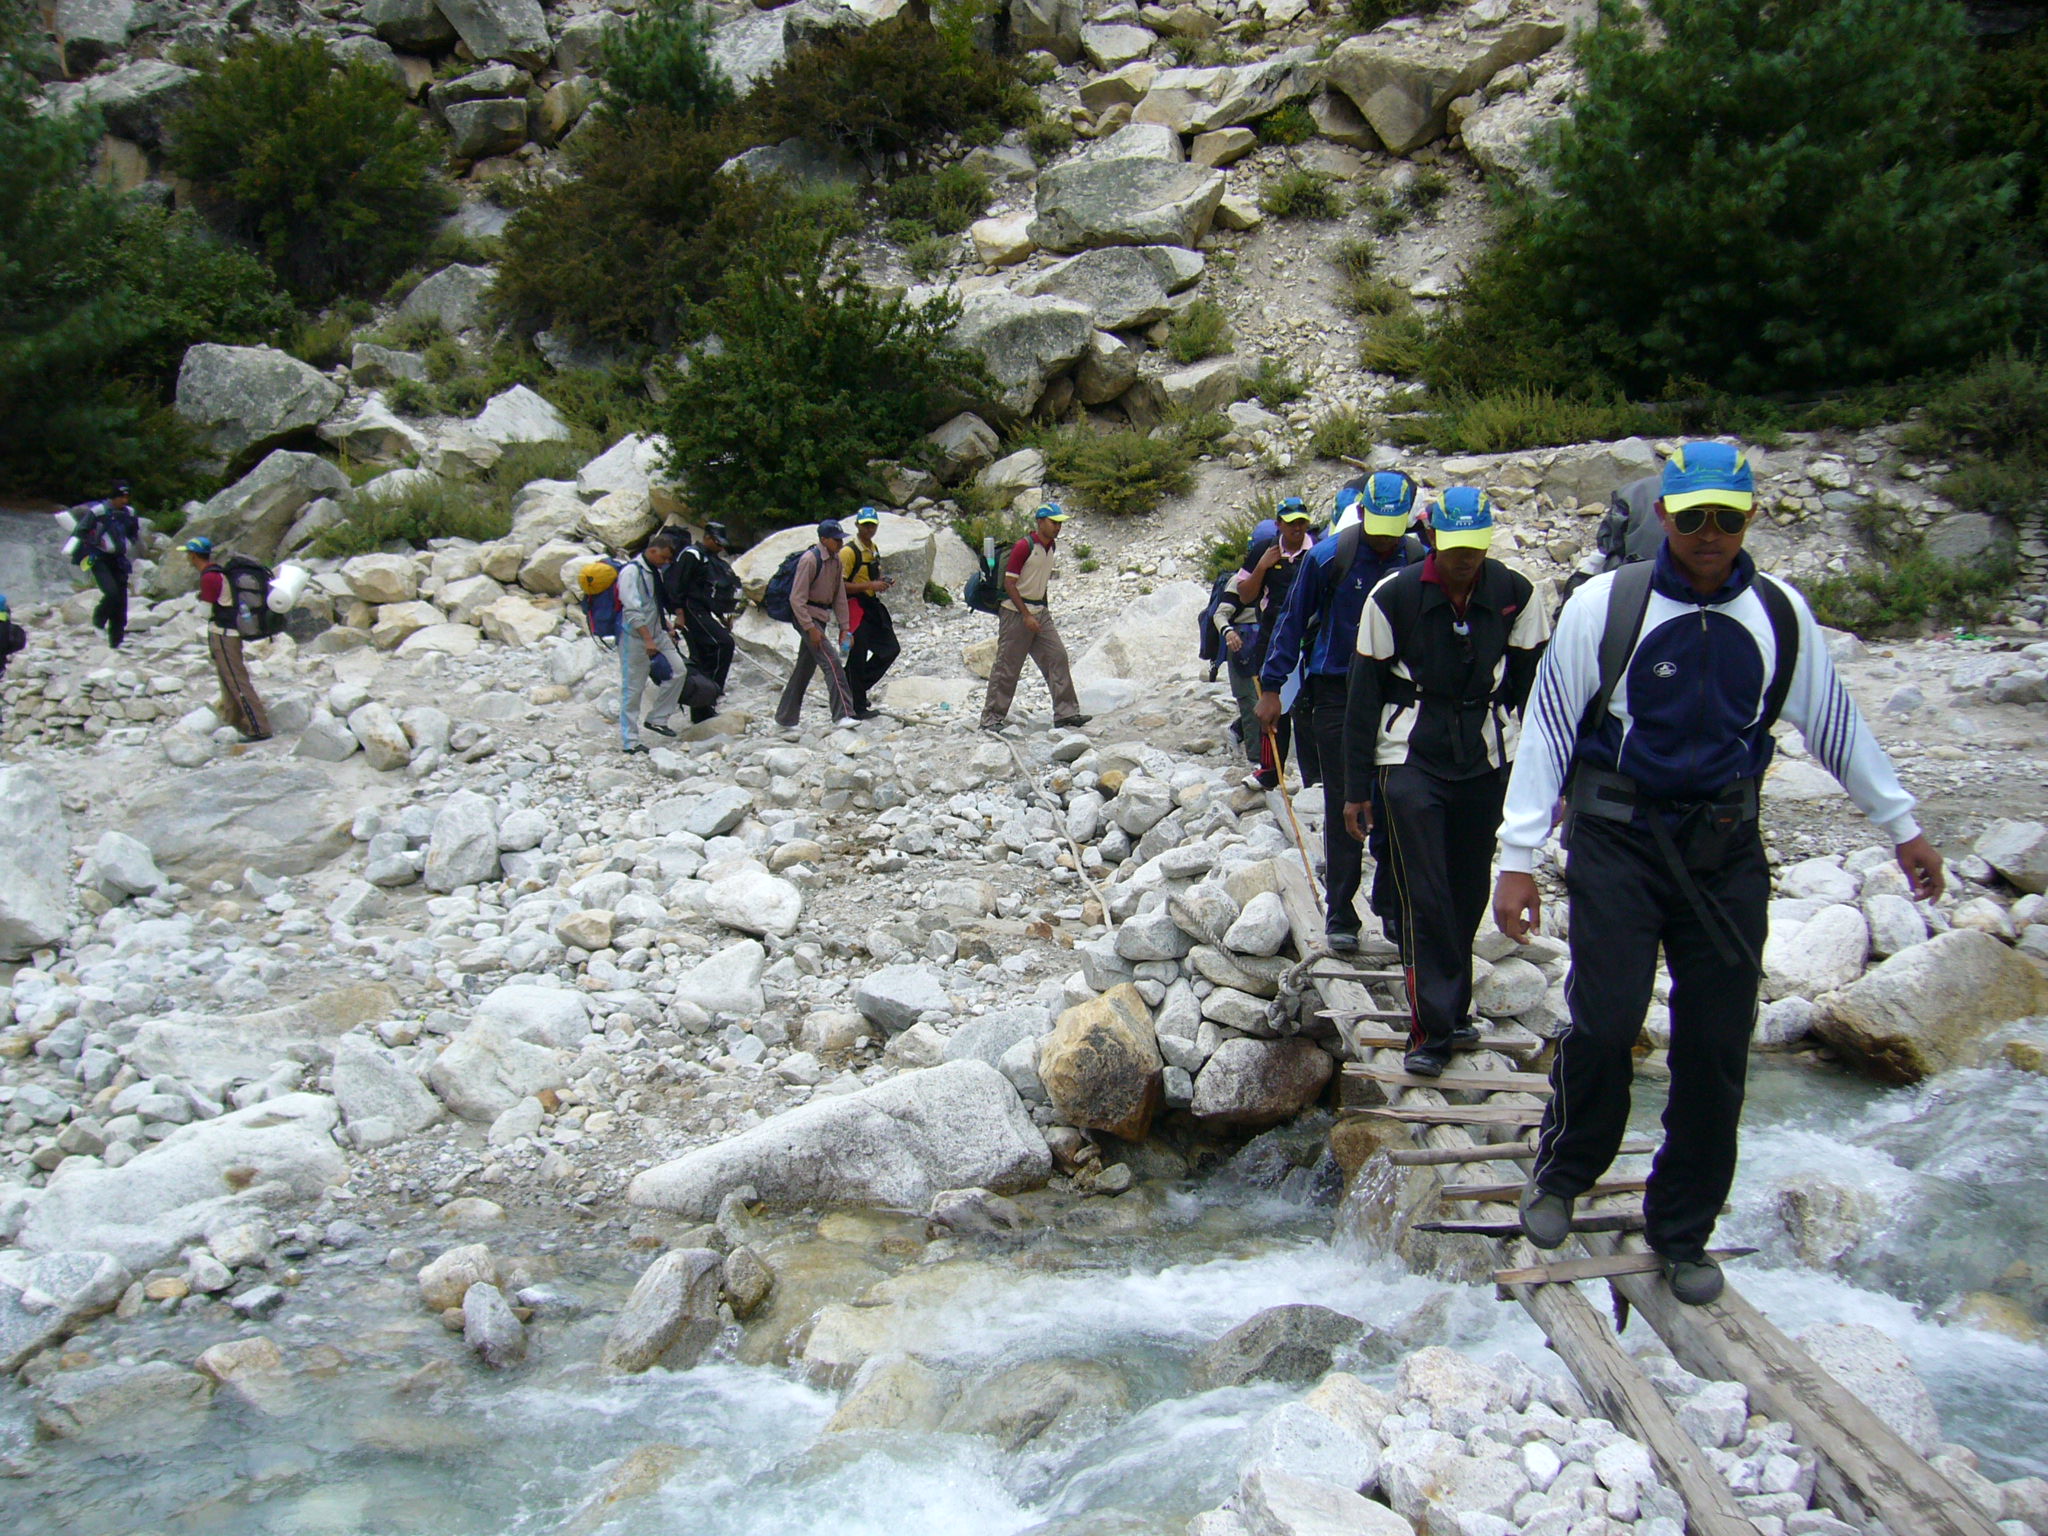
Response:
column 1904, row 1203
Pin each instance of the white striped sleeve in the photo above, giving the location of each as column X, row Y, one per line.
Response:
column 1566, row 680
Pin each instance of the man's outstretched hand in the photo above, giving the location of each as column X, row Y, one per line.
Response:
column 1516, row 907
column 1921, row 861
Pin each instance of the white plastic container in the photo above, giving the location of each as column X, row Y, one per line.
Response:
column 287, row 586
column 67, row 522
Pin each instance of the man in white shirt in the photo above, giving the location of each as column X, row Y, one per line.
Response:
column 643, row 635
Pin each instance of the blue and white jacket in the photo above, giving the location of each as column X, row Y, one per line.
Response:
column 1312, row 596
column 1685, row 718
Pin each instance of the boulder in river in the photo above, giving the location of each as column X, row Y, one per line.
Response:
column 1287, row 1343
column 672, row 1316
column 1927, row 1008
column 898, row 1143
column 1101, row 1065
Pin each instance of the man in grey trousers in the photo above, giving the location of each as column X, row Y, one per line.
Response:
column 643, row 634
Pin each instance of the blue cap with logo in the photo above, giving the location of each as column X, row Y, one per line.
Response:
column 1463, row 518
column 1388, row 502
column 830, row 529
column 1708, row 474
column 199, row 546
column 1291, row 510
column 1051, row 511
column 867, row 515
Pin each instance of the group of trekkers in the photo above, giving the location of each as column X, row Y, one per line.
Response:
column 1443, row 715
column 1422, row 684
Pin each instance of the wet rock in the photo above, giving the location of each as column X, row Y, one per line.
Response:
column 1017, row 1406
column 35, row 864
column 46, row 1297
column 489, row 1328
column 975, row 1211
column 896, row 996
column 1286, row 1343
column 483, row 1072
column 1101, row 1065
column 445, row 1280
column 1259, row 1082
column 892, row 1391
column 747, row 1281
column 1928, row 1008
column 897, row 1143
column 672, row 1316
column 1274, row 1502
column 1873, row 1367
column 156, row 1404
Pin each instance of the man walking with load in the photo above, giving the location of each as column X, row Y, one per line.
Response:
column 1271, row 567
column 240, row 705
column 1026, row 627
column 645, row 646
column 1318, row 631
column 704, row 593
column 874, row 632
column 1653, row 713
column 104, row 543
column 1447, row 651
column 817, row 596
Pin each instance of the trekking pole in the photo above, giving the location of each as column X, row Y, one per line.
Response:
column 1280, row 773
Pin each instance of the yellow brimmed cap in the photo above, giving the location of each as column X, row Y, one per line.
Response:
column 1708, row 474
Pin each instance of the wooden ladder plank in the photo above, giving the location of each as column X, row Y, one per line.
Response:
column 1454, row 1082
column 1495, row 1152
column 1511, row 1192
column 1372, row 1015
column 1390, row 1040
column 1526, row 1116
column 1591, row 1221
column 1866, row 1471
column 1565, row 1271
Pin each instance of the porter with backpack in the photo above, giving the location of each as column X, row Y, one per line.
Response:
column 236, row 593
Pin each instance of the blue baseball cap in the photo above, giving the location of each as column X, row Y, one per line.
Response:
column 199, row 546
column 5, row 606
column 867, row 515
column 1291, row 510
column 1051, row 511
column 1710, row 474
column 830, row 529
column 1387, row 503
column 1463, row 518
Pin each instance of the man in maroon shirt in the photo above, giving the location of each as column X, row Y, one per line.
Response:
column 1026, row 628
column 239, row 704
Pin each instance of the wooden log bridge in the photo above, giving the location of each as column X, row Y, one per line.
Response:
column 1469, row 1158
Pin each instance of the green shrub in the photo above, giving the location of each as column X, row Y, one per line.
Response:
column 1395, row 342
column 430, row 509
column 1274, row 384
column 1511, row 419
column 1745, row 200
column 1120, row 473
column 980, row 519
column 325, row 170
column 1291, row 124
column 1425, row 190
column 624, row 249
column 926, row 258
column 1909, row 589
column 445, row 358
column 1999, row 407
column 323, row 342
column 1224, row 549
column 947, row 200
column 1300, row 193
column 885, row 92
column 937, row 595
column 1372, row 296
column 1355, row 258
column 661, row 58
column 1049, row 138
column 606, row 403
column 1342, row 434
column 1201, row 330
column 819, row 374
column 409, row 397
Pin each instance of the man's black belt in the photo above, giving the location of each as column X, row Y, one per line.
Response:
column 1616, row 796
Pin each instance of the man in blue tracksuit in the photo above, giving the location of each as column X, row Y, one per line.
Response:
column 1655, row 728
column 1318, row 630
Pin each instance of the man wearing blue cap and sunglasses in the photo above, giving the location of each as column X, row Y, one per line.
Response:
column 1447, row 652
column 1652, row 716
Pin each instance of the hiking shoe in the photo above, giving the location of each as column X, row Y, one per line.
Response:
column 867, row 714
column 634, row 746
column 1694, row 1281
column 1426, row 1062
column 1073, row 722
column 846, row 720
column 1465, row 1036
column 659, row 730
column 1259, row 780
column 1343, row 941
column 1546, row 1218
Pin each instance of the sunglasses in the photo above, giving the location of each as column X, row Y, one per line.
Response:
column 1730, row 520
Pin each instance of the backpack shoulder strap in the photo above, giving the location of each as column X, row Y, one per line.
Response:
column 1785, row 638
column 1347, row 553
column 1628, row 599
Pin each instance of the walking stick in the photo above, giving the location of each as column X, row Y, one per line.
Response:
column 1280, row 772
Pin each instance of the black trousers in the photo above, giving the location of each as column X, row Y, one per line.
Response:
column 710, row 645
column 1625, row 902
column 111, row 613
column 874, row 649
column 1440, row 833
column 1322, row 709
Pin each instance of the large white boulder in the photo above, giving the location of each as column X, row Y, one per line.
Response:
column 896, row 1144
column 515, row 31
column 462, row 848
column 728, row 981
column 519, row 416
column 483, row 1072
column 381, row 1100
column 35, row 864
column 271, row 817
column 1824, row 952
column 242, row 400
column 551, row 1016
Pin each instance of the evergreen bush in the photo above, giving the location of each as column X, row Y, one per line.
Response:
column 816, row 375
column 1201, row 330
column 661, row 58
column 324, row 169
